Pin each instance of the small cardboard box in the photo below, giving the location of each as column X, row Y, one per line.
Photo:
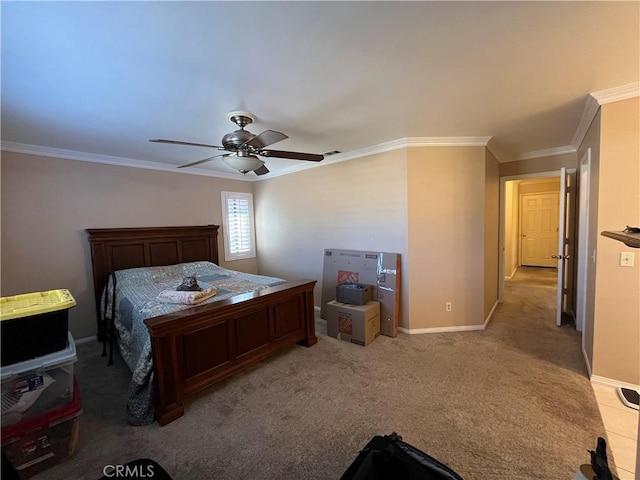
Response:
column 359, row 324
column 353, row 293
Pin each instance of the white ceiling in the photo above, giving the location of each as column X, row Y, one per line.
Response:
column 97, row 80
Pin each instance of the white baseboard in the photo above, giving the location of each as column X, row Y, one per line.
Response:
column 509, row 277
column 493, row 309
column 586, row 362
column 461, row 328
column 610, row 382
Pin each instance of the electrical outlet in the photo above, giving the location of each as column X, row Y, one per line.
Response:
column 447, row 306
column 626, row 259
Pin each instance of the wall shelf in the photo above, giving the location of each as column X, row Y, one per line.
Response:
column 629, row 239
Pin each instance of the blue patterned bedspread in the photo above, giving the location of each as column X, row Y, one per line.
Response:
column 136, row 300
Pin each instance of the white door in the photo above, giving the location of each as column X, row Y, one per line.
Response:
column 539, row 229
column 565, row 235
column 583, row 242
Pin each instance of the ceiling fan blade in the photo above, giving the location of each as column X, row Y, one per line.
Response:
column 266, row 138
column 192, row 164
column 177, row 142
column 312, row 157
column 262, row 170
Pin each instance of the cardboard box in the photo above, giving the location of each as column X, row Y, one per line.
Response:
column 381, row 270
column 359, row 324
column 353, row 293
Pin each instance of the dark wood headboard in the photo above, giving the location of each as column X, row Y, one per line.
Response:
column 119, row 248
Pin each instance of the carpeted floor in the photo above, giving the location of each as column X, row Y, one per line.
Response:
column 510, row 402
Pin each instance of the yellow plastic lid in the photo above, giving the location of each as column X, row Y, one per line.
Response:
column 36, row 303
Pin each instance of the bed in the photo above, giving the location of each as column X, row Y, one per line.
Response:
column 197, row 346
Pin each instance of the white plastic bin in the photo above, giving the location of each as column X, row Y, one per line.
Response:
column 35, row 386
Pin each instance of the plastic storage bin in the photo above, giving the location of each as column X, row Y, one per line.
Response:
column 37, row 444
column 35, row 386
column 34, row 324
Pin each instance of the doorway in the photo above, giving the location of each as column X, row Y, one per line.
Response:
column 543, row 193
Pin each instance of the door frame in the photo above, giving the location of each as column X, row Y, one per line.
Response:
column 584, row 189
column 501, row 233
column 564, row 237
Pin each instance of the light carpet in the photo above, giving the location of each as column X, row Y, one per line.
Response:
column 509, row 402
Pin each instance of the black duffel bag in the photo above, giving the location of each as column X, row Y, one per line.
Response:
column 389, row 458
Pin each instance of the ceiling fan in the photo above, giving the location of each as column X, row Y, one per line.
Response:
column 243, row 147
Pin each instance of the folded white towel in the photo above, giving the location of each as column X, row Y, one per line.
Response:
column 188, row 298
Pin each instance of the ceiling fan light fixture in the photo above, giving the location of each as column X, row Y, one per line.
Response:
column 244, row 164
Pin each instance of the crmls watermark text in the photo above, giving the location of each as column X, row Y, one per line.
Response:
column 128, row 471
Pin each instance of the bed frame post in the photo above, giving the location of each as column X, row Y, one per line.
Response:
column 169, row 402
column 310, row 338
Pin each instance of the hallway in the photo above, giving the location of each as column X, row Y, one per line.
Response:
column 533, row 291
column 534, row 288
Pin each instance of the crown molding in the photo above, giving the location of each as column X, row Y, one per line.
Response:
column 597, row 99
column 446, row 141
column 135, row 163
column 501, row 153
column 591, row 108
column 617, row 94
column 409, row 142
column 390, row 146
column 549, row 152
column 107, row 159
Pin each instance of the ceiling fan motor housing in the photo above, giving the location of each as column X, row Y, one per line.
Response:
column 232, row 141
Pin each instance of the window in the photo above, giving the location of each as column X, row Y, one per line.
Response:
column 237, row 221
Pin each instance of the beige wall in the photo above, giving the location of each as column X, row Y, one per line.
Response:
column 47, row 203
column 429, row 204
column 538, row 165
column 358, row 205
column 372, row 203
column 446, row 220
column 547, row 185
column 491, row 231
column 617, row 293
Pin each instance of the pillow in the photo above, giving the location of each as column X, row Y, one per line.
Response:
column 168, row 274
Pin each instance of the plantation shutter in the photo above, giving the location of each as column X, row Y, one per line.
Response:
column 239, row 229
column 239, row 225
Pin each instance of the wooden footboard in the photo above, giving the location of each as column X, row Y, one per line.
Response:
column 198, row 347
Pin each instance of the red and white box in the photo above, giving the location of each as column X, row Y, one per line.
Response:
column 359, row 324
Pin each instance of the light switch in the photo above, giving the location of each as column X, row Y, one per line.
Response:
column 626, row 259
